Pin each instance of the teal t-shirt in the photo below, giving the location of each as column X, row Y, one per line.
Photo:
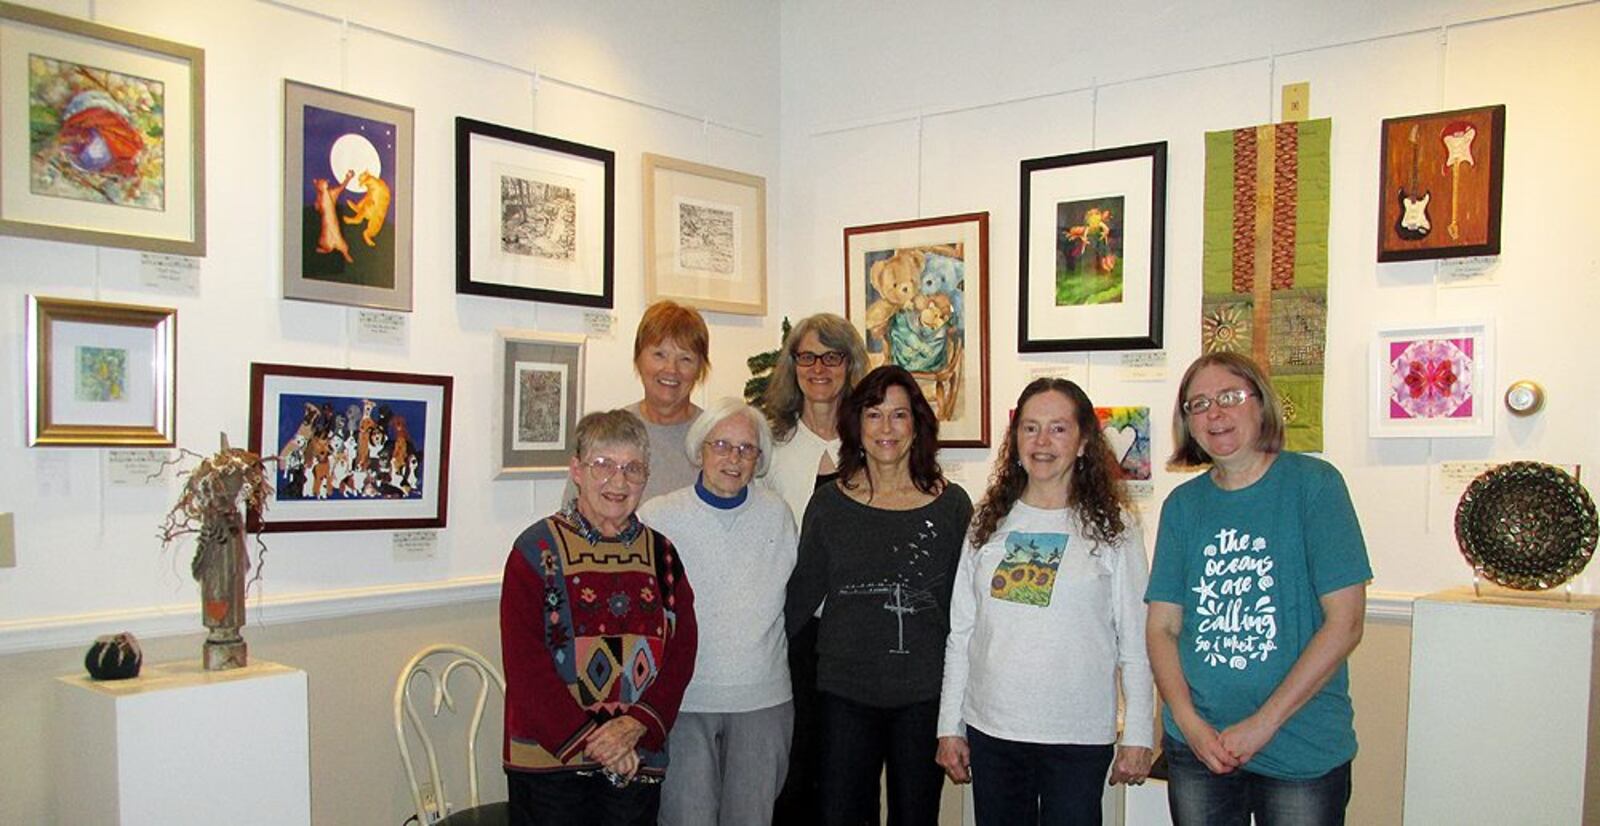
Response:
column 1248, row 568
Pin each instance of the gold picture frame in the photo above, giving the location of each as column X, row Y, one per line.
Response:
column 101, row 374
column 705, row 236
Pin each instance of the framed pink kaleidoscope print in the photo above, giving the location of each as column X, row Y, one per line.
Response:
column 1435, row 381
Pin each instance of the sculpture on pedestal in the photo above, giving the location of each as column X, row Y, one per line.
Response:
column 209, row 507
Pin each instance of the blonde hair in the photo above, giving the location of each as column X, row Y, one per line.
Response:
column 1187, row 450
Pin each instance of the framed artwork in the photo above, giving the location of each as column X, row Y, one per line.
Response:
column 347, row 195
column 1127, row 430
column 101, row 375
column 534, row 216
column 1433, row 381
column 1439, row 185
column 919, row 293
column 705, row 236
column 541, row 398
column 102, row 135
column 1093, row 250
column 354, row 449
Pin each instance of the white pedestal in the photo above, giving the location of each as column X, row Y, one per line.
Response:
column 180, row 745
column 1504, row 710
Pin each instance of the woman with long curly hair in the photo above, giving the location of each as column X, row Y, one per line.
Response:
column 1048, row 607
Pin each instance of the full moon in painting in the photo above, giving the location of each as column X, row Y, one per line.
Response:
column 352, row 152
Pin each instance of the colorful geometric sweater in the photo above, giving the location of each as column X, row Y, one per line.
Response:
column 592, row 628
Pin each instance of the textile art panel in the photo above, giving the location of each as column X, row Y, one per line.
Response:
column 1265, row 263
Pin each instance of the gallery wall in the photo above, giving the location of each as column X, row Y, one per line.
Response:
column 893, row 117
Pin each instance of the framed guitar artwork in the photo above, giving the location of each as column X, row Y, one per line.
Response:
column 1440, row 184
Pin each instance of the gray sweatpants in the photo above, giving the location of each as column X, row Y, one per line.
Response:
column 726, row 768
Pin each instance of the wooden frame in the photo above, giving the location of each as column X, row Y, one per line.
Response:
column 705, row 236
column 541, row 398
column 102, row 135
column 1439, row 184
column 101, row 374
column 918, row 292
column 534, row 216
column 1433, row 381
column 347, row 198
column 383, row 461
column 1091, row 278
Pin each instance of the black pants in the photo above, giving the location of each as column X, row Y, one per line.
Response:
column 568, row 799
column 858, row 741
column 1016, row 783
column 798, row 803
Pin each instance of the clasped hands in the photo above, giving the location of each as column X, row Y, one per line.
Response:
column 1231, row 748
column 613, row 745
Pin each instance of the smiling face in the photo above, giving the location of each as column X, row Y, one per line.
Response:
column 668, row 373
column 607, row 503
column 820, row 383
column 888, row 428
column 1049, row 440
column 1228, row 434
column 727, row 475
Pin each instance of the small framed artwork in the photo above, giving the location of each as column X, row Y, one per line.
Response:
column 1092, row 258
column 101, row 375
column 1439, row 184
column 1127, row 431
column 102, row 135
column 353, row 449
column 347, row 195
column 541, row 398
column 534, row 216
column 1433, row 381
column 705, row 236
column 919, row 293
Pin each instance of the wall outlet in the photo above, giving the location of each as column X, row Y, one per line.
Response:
column 8, row 540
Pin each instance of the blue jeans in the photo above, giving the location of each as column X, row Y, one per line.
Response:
column 565, row 798
column 1199, row 798
column 859, row 742
column 1015, row 783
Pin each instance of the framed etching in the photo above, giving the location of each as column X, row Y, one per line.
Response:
column 354, row 449
column 705, row 236
column 101, row 375
column 534, row 216
column 1439, row 184
column 1433, row 381
column 918, row 291
column 347, row 196
column 541, row 398
column 1092, row 255
column 102, row 135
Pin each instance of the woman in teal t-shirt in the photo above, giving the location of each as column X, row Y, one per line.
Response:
column 1257, row 596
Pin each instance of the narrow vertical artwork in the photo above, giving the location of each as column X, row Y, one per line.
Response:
column 1265, row 263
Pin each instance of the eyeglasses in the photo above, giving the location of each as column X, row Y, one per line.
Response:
column 602, row 469
column 832, row 358
column 1227, row 398
column 747, row 452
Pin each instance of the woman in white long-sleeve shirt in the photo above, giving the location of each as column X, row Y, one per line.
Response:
column 1047, row 613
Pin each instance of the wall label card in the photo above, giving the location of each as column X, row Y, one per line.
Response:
column 415, row 546
column 1144, row 365
column 380, row 327
column 177, row 274
column 135, row 468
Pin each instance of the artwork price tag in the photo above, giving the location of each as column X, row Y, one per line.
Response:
column 382, row 328
column 1144, row 365
column 598, row 323
column 415, row 546
column 1454, row 477
column 135, row 468
column 1075, row 373
column 1472, row 271
column 178, row 274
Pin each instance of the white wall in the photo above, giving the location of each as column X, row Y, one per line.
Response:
column 697, row 81
column 890, row 116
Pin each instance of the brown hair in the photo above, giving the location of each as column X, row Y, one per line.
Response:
column 870, row 392
column 783, row 399
column 1096, row 493
column 1187, row 450
column 665, row 320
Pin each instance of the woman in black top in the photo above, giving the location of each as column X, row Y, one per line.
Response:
column 879, row 548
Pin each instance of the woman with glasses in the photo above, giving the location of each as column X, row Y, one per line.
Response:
column 822, row 358
column 880, row 545
column 597, row 636
column 1257, row 597
column 730, row 746
column 1046, row 623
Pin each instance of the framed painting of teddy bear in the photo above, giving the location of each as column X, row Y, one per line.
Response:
column 918, row 292
column 347, row 198
column 1091, row 260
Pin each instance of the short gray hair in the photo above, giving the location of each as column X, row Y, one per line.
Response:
column 612, row 427
column 718, row 412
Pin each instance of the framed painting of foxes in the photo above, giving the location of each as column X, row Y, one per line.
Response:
column 347, row 198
